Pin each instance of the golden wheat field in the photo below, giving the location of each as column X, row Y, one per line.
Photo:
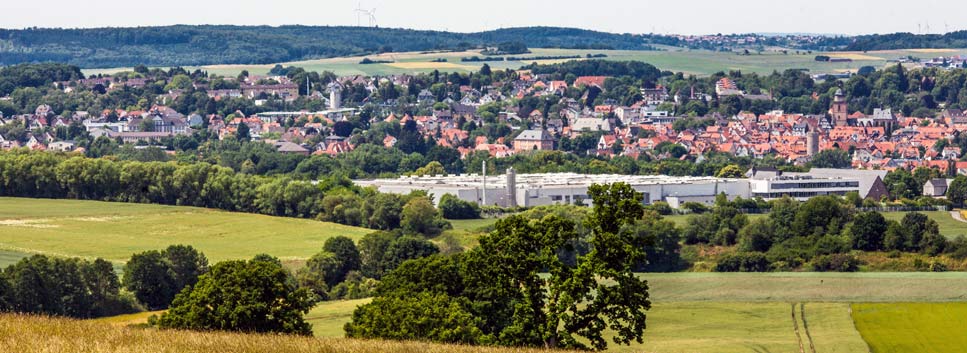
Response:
column 28, row 334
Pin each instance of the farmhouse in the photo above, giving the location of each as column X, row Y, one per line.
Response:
column 936, row 187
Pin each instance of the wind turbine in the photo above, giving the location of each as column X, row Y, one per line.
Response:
column 359, row 12
column 372, row 17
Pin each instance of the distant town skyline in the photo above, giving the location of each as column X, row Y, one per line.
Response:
column 617, row 16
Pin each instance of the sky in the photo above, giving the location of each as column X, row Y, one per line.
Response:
column 617, row 16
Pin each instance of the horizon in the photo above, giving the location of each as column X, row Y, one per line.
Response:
column 824, row 17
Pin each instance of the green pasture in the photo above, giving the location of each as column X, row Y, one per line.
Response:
column 114, row 231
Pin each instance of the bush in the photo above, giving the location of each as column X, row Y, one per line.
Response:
column 957, row 248
column 695, row 207
column 743, row 262
column 835, row 263
column 660, row 207
column 454, row 208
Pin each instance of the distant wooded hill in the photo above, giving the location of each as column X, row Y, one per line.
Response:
column 185, row 45
column 952, row 40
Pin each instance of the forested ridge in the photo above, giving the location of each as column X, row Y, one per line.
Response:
column 892, row 41
column 224, row 44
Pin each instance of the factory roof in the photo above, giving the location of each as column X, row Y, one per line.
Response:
column 540, row 180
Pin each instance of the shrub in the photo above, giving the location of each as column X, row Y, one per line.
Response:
column 835, row 263
column 454, row 208
column 695, row 207
column 743, row 262
column 660, row 207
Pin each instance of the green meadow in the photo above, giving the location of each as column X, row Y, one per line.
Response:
column 114, row 231
column 913, row 327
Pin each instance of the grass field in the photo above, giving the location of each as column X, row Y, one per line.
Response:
column 949, row 227
column 809, row 287
column 710, row 312
column 700, row 62
column 695, row 327
column 114, row 231
column 913, row 327
column 328, row 318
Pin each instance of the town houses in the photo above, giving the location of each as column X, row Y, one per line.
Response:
column 645, row 126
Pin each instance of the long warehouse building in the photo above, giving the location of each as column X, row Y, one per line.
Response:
column 529, row 190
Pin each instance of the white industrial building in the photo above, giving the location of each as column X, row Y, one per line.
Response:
column 530, row 190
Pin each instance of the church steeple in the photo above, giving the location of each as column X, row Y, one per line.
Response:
column 839, row 110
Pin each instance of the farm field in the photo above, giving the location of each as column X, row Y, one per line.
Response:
column 694, row 326
column 699, row 62
column 808, row 287
column 114, row 231
column 913, row 327
column 741, row 312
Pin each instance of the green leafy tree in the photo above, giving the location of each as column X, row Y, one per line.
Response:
column 345, row 250
column 820, row 215
column 243, row 133
column 451, row 207
column 519, row 287
column 757, row 235
column 424, row 315
column 149, row 276
column 518, row 251
column 322, row 271
column 730, row 171
column 957, row 192
column 186, row 264
column 246, row 296
column 833, row 158
column 420, row 217
column 867, row 231
column 407, row 248
column 372, row 251
column 155, row 277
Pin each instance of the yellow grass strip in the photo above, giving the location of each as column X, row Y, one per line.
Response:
column 29, row 334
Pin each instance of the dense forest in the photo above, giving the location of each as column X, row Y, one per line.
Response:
column 892, row 41
column 203, row 45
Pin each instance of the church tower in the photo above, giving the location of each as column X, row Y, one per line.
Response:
column 839, row 110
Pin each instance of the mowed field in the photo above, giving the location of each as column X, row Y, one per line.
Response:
column 114, row 231
column 699, row 62
column 751, row 312
column 913, row 327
